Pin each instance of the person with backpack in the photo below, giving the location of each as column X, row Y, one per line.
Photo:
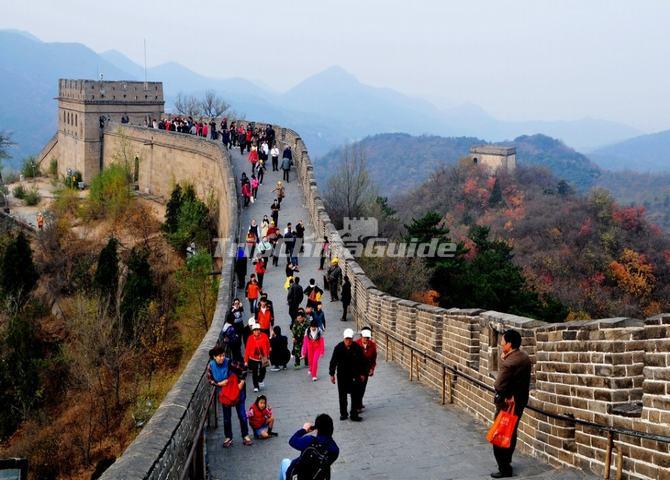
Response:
column 313, row 293
column 261, row 419
column 348, row 361
column 317, row 452
column 313, row 348
column 229, row 339
column 279, row 352
column 229, row 377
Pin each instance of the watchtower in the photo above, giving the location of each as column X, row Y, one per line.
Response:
column 86, row 106
column 494, row 157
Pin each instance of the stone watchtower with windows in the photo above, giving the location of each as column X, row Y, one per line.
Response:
column 494, row 157
column 85, row 107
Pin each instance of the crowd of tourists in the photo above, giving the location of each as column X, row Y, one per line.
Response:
column 252, row 341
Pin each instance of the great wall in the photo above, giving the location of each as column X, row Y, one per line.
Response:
column 601, row 388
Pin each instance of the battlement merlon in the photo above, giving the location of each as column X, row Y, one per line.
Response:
column 109, row 91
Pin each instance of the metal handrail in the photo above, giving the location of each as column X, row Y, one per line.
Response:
column 566, row 418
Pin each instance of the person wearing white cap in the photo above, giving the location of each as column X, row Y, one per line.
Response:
column 257, row 353
column 349, row 364
column 369, row 348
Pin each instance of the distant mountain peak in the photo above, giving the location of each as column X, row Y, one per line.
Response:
column 23, row 33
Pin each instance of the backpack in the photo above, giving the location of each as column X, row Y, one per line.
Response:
column 314, row 295
column 313, row 463
column 230, row 392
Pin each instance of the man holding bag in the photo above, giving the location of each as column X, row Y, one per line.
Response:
column 511, row 386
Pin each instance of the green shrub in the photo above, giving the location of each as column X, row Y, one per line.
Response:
column 110, row 192
column 66, row 202
column 53, row 167
column 30, row 168
column 19, row 192
column 32, row 197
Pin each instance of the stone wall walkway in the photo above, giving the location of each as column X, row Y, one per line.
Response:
column 405, row 434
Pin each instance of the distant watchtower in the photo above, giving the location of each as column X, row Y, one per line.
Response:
column 86, row 106
column 494, row 157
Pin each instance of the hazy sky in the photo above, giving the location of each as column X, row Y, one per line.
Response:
column 521, row 59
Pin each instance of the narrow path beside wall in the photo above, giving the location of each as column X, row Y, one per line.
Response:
column 405, row 434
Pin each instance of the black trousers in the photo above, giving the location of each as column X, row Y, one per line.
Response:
column 275, row 164
column 347, row 387
column 257, row 372
column 286, row 172
column 332, row 286
column 345, row 307
column 504, row 455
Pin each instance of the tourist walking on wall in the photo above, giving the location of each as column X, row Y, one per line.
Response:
column 346, row 297
column 325, row 252
column 334, row 276
column 279, row 352
column 319, row 446
column 298, row 329
column 512, row 385
column 313, row 348
column 274, row 153
column 348, row 362
column 281, row 193
column 294, row 298
column 286, row 162
column 313, row 293
column 369, row 349
column 219, row 370
column 257, row 354
column 320, row 316
column 241, row 265
column 252, row 291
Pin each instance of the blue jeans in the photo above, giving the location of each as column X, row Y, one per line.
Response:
column 241, row 415
column 283, row 468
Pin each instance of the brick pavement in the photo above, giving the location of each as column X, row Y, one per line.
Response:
column 405, row 434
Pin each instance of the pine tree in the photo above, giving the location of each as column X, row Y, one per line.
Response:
column 137, row 291
column 107, row 273
column 496, row 197
column 18, row 275
column 172, row 210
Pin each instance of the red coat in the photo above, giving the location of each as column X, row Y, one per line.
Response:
column 264, row 319
column 370, row 354
column 257, row 417
column 257, row 347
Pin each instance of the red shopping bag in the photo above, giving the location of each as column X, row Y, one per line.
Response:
column 500, row 433
column 230, row 392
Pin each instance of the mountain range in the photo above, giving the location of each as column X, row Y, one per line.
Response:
column 328, row 109
column 646, row 153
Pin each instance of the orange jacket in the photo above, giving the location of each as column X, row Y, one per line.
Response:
column 264, row 319
column 252, row 290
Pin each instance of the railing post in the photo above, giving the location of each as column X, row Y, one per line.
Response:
column 608, row 455
column 444, row 384
column 451, row 388
column 619, row 462
column 386, row 353
column 411, row 365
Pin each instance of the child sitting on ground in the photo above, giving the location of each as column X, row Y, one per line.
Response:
column 261, row 419
column 279, row 352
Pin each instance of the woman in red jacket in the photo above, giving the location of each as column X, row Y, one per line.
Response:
column 257, row 354
column 370, row 355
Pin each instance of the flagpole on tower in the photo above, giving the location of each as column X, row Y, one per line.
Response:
column 145, row 65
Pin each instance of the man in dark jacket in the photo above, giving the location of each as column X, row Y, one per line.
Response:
column 294, row 298
column 313, row 293
column 511, row 386
column 302, row 440
column 349, row 363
